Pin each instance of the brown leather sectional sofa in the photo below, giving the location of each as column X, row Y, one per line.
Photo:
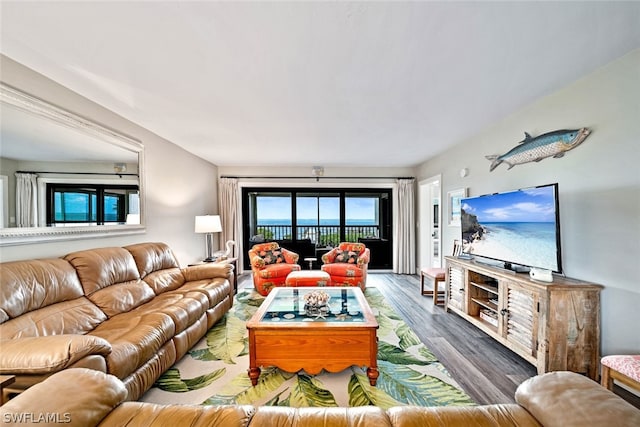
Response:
column 82, row 397
column 128, row 311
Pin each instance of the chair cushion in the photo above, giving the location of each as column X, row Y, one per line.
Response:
column 436, row 273
column 343, row 269
column 346, row 256
column 352, row 246
column 272, row 257
column 277, row 270
column 626, row 365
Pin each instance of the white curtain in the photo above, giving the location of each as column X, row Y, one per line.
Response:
column 405, row 246
column 26, row 200
column 229, row 207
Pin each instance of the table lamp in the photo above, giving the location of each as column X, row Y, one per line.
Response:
column 208, row 224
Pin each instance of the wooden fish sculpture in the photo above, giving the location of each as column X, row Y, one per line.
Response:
column 552, row 144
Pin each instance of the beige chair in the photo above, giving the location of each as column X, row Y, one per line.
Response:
column 622, row 368
column 437, row 275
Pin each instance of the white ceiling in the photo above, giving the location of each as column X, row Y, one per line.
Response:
column 317, row 83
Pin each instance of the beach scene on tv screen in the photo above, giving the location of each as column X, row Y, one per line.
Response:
column 518, row 227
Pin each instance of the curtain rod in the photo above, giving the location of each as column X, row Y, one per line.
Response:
column 318, row 177
column 82, row 173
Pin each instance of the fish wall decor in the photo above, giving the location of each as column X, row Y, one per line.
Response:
column 551, row 144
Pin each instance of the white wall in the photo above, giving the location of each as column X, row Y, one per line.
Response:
column 178, row 185
column 599, row 185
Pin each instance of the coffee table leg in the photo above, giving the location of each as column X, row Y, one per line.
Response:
column 254, row 374
column 372, row 373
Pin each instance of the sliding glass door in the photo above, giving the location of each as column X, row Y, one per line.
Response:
column 311, row 221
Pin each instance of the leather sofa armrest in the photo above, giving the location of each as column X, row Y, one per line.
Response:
column 73, row 397
column 207, row 271
column 42, row 355
column 567, row 399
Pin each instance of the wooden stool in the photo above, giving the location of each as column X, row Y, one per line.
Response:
column 625, row 369
column 436, row 275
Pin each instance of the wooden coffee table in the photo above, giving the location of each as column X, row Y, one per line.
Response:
column 283, row 334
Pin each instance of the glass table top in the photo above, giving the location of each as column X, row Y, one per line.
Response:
column 313, row 305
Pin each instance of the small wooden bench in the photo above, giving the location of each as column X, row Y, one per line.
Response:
column 622, row 368
column 437, row 276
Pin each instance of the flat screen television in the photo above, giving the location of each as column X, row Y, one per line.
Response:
column 520, row 228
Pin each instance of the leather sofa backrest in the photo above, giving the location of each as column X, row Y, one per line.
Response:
column 44, row 297
column 110, row 279
column 157, row 266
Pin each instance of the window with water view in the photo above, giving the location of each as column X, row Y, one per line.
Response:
column 75, row 204
column 325, row 219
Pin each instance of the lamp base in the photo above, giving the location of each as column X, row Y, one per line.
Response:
column 209, row 259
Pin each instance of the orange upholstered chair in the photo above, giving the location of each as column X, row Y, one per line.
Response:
column 347, row 264
column 271, row 265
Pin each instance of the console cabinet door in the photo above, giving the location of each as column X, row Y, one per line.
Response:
column 455, row 287
column 520, row 315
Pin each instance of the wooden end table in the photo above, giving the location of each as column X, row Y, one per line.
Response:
column 285, row 334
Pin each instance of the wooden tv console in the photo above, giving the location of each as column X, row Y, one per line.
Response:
column 554, row 326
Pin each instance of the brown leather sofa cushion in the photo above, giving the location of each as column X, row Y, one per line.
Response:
column 135, row 337
column 122, row 297
column 147, row 415
column 77, row 397
column 23, row 355
column 157, row 266
column 359, row 416
column 462, row 416
column 184, row 308
column 150, row 257
column 44, row 281
column 77, row 316
column 110, row 279
column 164, row 280
column 103, row 267
column 565, row 399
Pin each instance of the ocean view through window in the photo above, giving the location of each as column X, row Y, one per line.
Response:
column 84, row 204
column 309, row 221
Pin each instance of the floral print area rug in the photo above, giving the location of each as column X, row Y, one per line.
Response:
column 214, row 372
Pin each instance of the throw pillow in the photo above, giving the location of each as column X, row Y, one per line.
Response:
column 272, row 257
column 349, row 257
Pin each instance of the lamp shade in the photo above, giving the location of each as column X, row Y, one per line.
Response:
column 208, row 224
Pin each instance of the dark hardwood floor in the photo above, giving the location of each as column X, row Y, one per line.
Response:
column 486, row 370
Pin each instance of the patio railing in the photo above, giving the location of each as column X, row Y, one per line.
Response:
column 322, row 235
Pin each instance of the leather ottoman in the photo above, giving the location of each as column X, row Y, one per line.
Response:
column 308, row 278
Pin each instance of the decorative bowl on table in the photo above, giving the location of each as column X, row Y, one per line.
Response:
column 316, row 303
